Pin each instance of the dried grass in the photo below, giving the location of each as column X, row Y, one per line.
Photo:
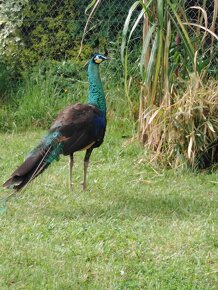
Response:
column 185, row 132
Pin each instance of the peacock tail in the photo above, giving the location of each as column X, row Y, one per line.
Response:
column 37, row 161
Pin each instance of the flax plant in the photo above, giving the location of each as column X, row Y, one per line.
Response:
column 171, row 69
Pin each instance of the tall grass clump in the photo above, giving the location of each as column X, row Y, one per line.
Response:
column 186, row 131
column 175, row 63
column 43, row 90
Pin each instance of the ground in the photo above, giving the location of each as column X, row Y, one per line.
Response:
column 136, row 226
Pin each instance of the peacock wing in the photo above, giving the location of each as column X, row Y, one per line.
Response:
column 80, row 126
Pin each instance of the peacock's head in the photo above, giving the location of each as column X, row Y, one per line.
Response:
column 97, row 58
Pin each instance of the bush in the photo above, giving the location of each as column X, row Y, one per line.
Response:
column 43, row 30
column 7, row 81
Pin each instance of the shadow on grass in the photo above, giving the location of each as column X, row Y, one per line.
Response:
column 159, row 207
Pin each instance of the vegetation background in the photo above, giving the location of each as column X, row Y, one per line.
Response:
column 168, row 54
column 147, row 226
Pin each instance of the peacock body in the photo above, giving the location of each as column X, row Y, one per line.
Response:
column 77, row 127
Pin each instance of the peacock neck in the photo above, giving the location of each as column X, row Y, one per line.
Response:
column 96, row 93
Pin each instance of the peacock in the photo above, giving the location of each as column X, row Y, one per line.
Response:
column 77, row 127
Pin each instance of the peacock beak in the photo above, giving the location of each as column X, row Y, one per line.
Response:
column 107, row 57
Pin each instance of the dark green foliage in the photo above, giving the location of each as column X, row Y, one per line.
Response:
column 7, row 80
column 4, row 77
column 53, row 30
column 49, row 30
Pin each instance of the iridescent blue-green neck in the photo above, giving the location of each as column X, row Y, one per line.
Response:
column 96, row 93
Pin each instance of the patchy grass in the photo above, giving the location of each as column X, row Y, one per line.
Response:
column 134, row 228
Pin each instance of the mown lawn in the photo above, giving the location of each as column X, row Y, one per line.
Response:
column 135, row 227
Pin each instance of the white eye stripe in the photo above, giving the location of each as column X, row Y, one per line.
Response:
column 98, row 58
column 102, row 57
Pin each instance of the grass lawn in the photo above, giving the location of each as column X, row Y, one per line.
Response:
column 134, row 228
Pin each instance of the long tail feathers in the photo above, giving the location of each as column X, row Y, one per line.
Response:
column 37, row 161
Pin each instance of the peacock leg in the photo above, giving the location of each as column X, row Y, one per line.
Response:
column 70, row 167
column 86, row 164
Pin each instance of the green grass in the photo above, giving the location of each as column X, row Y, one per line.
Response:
column 135, row 227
